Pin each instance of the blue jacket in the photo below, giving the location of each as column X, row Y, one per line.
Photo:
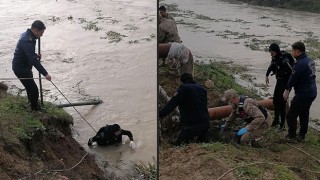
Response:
column 192, row 101
column 25, row 56
column 303, row 78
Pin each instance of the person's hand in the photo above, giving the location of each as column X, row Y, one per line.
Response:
column 39, row 56
column 286, row 95
column 242, row 131
column 267, row 80
column 90, row 142
column 223, row 127
column 48, row 77
column 132, row 145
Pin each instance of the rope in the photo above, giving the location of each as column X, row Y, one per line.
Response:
column 59, row 170
column 73, row 106
column 292, row 167
column 305, row 153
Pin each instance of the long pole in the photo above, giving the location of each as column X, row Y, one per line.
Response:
column 40, row 82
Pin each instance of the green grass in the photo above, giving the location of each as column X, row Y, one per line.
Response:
column 145, row 170
column 221, row 73
column 18, row 122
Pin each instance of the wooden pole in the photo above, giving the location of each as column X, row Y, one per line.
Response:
column 40, row 82
column 80, row 104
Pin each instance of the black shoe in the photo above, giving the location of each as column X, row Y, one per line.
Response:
column 291, row 139
column 301, row 138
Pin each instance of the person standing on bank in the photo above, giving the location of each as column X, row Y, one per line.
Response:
column 281, row 65
column 303, row 79
column 25, row 58
column 194, row 116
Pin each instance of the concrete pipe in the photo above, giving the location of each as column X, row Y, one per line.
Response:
column 225, row 111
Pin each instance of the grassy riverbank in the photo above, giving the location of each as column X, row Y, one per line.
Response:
column 275, row 160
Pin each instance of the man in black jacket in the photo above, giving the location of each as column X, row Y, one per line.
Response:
column 194, row 117
column 111, row 134
column 25, row 58
column 281, row 65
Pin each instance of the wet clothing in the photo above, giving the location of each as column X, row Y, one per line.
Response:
column 105, row 136
column 183, row 55
column 23, row 60
column 281, row 66
column 168, row 31
column 194, row 117
column 258, row 118
column 303, row 79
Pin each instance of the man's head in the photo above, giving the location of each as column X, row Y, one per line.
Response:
column 186, row 78
column 163, row 11
column 298, row 48
column 274, row 49
column 38, row 28
column 115, row 128
column 231, row 97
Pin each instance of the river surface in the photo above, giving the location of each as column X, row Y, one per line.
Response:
column 220, row 30
column 85, row 64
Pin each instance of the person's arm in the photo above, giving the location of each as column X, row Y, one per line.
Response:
column 161, row 35
column 127, row 133
column 296, row 72
column 232, row 117
column 252, row 110
column 270, row 68
column 29, row 50
column 172, row 104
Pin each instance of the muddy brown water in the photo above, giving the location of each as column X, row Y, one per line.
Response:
column 85, row 65
column 214, row 30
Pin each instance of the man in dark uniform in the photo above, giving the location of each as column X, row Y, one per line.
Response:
column 111, row 134
column 194, row 117
column 281, row 65
column 303, row 79
column 25, row 58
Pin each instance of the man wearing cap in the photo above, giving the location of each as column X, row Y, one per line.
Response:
column 164, row 14
column 179, row 52
column 168, row 31
column 257, row 117
column 281, row 65
column 194, row 117
column 111, row 134
column 303, row 79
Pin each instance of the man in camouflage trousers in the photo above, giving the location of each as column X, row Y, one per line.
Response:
column 257, row 117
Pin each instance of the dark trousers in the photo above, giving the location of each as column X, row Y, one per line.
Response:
column 31, row 88
column 279, row 103
column 190, row 133
column 299, row 108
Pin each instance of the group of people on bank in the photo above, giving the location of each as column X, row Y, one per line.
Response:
column 293, row 70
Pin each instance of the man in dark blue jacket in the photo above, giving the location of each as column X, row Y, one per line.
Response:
column 25, row 58
column 303, row 79
column 194, row 117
